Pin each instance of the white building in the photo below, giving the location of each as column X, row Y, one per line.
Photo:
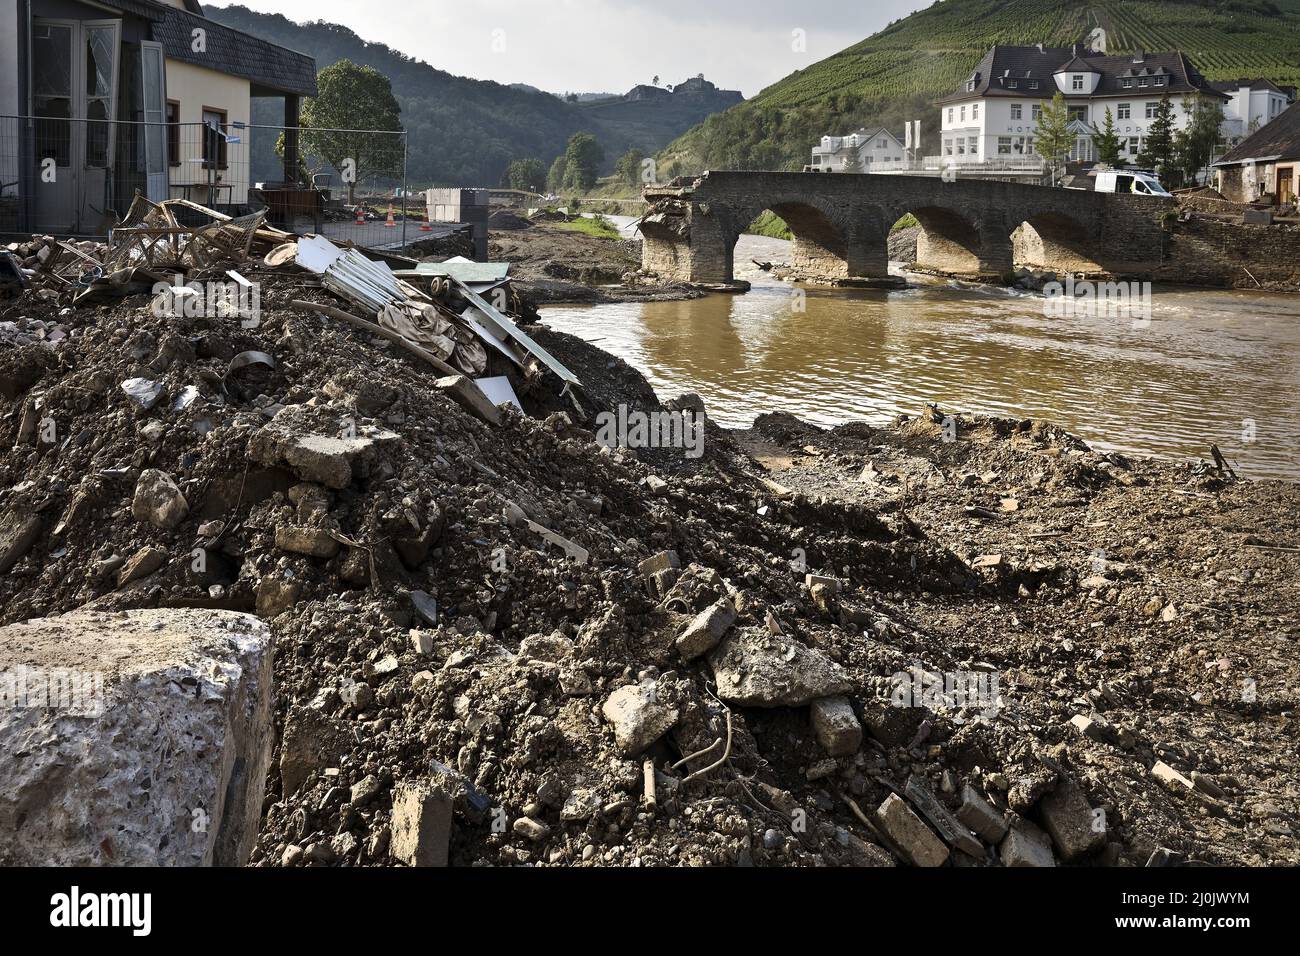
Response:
column 857, row 152
column 1252, row 105
column 993, row 116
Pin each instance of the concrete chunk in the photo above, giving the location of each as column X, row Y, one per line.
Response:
column 17, row 535
column 758, row 669
column 1074, row 827
column 312, row 542
column 1170, row 777
column 706, row 630
column 836, row 726
column 917, row 842
column 154, row 748
column 158, row 501
column 953, row 831
column 981, row 816
column 1026, row 845
column 637, row 716
column 421, row 824
column 319, row 445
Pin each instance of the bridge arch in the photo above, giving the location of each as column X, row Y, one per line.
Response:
column 1055, row 241
column 819, row 248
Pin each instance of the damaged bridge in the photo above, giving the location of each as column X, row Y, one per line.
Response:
column 841, row 225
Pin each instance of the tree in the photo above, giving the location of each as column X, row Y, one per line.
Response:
column 528, row 175
column 1052, row 136
column 1158, row 150
column 1195, row 146
column 655, row 81
column 852, row 163
column 582, row 157
column 628, row 167
column 555, row 178
column 353, row 97
column 1109, row 146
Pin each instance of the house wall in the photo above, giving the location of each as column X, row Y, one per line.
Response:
column 9, row 58
column 195, row 88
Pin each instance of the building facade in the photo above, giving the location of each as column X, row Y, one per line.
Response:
column 1266, row 164
column 857, row 152
column 1252, row 105
column 105, row 98
column 994, row 115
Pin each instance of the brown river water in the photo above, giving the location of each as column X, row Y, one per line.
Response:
column 1211, row 366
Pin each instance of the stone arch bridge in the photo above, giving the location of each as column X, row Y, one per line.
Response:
column 841, row 225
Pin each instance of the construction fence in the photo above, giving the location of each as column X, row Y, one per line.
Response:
column 78, row 177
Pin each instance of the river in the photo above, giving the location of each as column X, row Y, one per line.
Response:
column 1210, row 366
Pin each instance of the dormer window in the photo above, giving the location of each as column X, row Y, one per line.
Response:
column 1142, row 81
column 1012, row 84
column 1127, row 84
column 970, row 86
column 1160, row 81
column 1076, row 81
column 1033, row 84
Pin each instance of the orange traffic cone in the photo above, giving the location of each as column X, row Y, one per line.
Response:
column 392, row 223
column 361, row 216
column 426, row 226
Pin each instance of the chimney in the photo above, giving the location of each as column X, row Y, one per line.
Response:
column 1040, row 48
column 1138, row 55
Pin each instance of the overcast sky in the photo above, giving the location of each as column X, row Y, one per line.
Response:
column 607, row 46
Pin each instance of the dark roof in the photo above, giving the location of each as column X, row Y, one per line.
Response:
column 1023, row 65
column 273, row 70
column 1280, row 139
column 1232, row 86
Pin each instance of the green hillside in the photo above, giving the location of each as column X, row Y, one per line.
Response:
column 896, row 74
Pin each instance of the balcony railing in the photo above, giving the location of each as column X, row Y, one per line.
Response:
column 1025, row 164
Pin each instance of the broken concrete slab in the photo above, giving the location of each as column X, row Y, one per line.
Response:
column 913, row 838
column 141, row 564
column 977, row 814
column 756, row 669
column 836, row 726
column 638, row 717
column 1026, row 845
column 1170, row 777
column 1074, row 826
column 321, row 447
column 155, row 750
column 158, row 501
column 17, row 535
column 952, row 830
column 421, row 827
column 465, row 392
column 312, row 542
column 704, row 632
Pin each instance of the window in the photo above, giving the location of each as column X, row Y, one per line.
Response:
column 1127, row 84
column 1142, row 81
column 1036, row 112
column 214, row 138
column 1004, row 145
column 975, row 112
column 1160, row 81
column 961, row 146
column 1029, row 146
column 972, row 144
column 1076, row 81
column 970, row 86
column 1033, row 84
column 1151, row 110
column 1134, row 145
column 1079, row 113
column 173, row 133
column 947, row 147
column 1015, row 111
column 950, row 114
column 1013, row 84
column 1124, row 111
column 963, row 114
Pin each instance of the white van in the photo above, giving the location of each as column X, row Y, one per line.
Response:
column 1129, row 181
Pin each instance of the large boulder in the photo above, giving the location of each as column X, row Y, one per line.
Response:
column 138, row 738
column 757, row 669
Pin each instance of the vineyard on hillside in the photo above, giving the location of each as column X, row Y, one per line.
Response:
column 896, row 74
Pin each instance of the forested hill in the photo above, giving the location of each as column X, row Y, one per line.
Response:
column 896, row 74
column 464, row 131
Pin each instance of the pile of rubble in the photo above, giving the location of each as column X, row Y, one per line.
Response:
column 496, row 640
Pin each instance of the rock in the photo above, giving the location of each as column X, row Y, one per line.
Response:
column 914, row 839
column 581, row 804
column 300, row 439
column 17, row 535
column 830, row 586
column 981, row 816
column 637, row 716
column 546, row 647
column 706, row 630
column 421, row 827
column 312, row 741
column 421, row 642
column 656, row 485
column 160, row 763
column 757, row 669
column 1074, row 827
column 364, row 790
column 836, row 726
column 426, row 607
column 313, row 542
column 158, row 501
column 141, row 564
column 1170, row 777
column 534, row 830
column 143, row 392
column 1026, row 845
column 276, row 595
